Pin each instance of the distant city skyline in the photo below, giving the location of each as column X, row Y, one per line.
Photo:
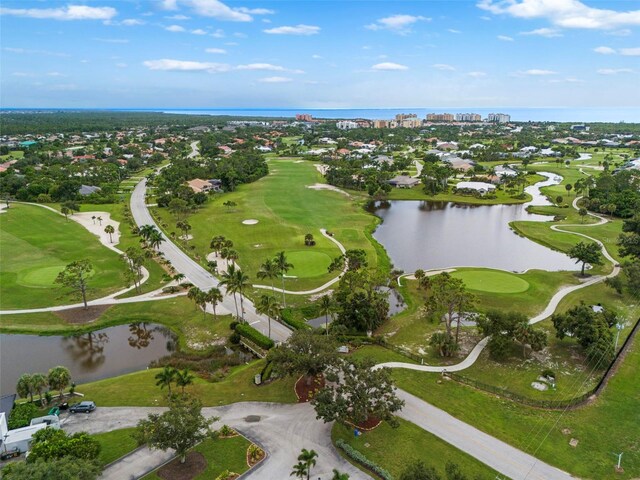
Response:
column 303, row 54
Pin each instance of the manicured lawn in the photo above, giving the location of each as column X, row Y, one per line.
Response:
column 179, row 314
column 395, row 448
column 609, row 424
column 492, row 281
column 286, row 210
column 115, row 444
column 11, row 155
column 36, row 245
column 221, row 454
column 139, row 389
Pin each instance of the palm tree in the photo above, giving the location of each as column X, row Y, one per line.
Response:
column 308, row 457
column 268, row 270
column 65, row 211
column 59, row 377
column 214, row 297
column 242, row 283
column 269, row 306
column 212, row 266
column 39, row 382
column 184, row 378
column 283, row 267
column 326, row 308
column 93, row 217
column 100, row 220
column 217, row 243
column 299, row 470
column 179, row 277
column 155, row 239
column 166, row 378
column 194, row 294
column 145, row 231
column 110, row 230
column 339, row 476
column 24, row 387
column 229, row 281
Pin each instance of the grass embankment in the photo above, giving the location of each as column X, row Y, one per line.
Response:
column 139, row 389
column 395, row 448
column 36, row 245
column 609, row 424
column 286, row 210
column 221, row 454
column 179, row 314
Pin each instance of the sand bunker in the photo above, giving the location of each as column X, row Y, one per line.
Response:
column 249, row 221
column 324, row 186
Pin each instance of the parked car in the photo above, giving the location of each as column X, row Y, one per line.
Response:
column 82, row 407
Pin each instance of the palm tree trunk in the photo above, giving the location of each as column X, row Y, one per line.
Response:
column 235, row 300
column 215, row 317
column 284, row 300
column 269, row 325
column 242, row 307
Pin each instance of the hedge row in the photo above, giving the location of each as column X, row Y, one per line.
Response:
column 355, row 455
column 254, row 335
column 288, row 318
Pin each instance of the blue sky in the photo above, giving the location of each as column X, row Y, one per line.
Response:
column 320, row 54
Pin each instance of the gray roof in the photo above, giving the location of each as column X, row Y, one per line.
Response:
column 6, row 403
column 88, row 189
column 403, row 180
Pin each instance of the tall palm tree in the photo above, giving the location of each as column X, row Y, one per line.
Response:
column 24, row 387
column 179, row 277
column 308, row 457
column 242, row 283
column 155, row 239
column 268, row 270
column 166, row 377
column 194, row 294
column 283, row 267
column 269, row 306
column 228, row 281
column 326, row 308
column 110, row 230
column 39, row 383
column 299, row 470
column 99, row 220
column 184, row 378
column 145, row 231
column 214, row 297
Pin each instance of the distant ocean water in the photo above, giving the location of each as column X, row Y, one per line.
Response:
column 629, row 114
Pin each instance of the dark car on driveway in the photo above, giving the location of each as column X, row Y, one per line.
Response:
column 82, row 407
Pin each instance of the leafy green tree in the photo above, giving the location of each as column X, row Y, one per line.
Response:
column 629, row 239
column 503, row 328
column 59, row 378
column 166, row 377
column 22, row 414
column 419, row 471
column 357, row 393
column 586, row 253
column 75, row 276
column 299, row 470
column 65, row 468
column 304, row 353
column 50, row 443
column 65, row 211
column 182, row 427
column 583, row 213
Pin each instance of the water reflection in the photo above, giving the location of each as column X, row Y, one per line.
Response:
column 90, row 356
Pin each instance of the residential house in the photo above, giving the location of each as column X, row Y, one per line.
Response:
column 403, row 181
column 88, row 190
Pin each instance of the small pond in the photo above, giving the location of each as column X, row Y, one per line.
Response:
column 429, row 235
column 90, row 356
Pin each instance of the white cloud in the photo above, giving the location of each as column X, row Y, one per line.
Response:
column 221, row 51
column 563, row 13
column 167, row 64
column 26, row 51
column 174, row 28
column 294, row 30
column 256, row 11
column 275, row 80
column 604, row 50
column 544, row 32
column 22, row 74
column 400, row 24
column 56, row 74
column 169, row 4
column 388, row 66
column 614, row 71
column 630, row 52
column 218, row 10
column 453, row 30
column 566, row 80
column 261, row 66
column 131, row 22
column 533, row 72
column 198, row 31
column 219, row 33
column 504, row 38
column 477, row 74
column 70, row 12
column 177, row 17
column 317, row 57
column 443, row 66
column 623, row 32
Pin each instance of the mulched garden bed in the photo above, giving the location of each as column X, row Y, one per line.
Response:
column 81, row 315
column 306, row 392
column 193, row 466
column 370, row 424
column 251, row 462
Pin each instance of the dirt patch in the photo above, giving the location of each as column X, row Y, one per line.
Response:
column 306, row 392
column 194, row 465
column 78, row 316
column 370, row 424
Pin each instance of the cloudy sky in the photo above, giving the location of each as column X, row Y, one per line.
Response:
column 319, row 54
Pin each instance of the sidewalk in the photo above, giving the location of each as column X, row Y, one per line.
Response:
column 137, row 464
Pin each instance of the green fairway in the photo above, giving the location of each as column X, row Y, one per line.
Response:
column 286, row 211
column 493, row 281
column 308, row 263
column 35, row 245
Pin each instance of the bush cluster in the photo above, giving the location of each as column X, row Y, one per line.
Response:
column 254, row 335
column 355, row 455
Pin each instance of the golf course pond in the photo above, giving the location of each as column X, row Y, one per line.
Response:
column 90, row 356
column 432, row 235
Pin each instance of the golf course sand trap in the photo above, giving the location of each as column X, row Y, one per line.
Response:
column 93, row 225
column 321, row 168
column 324, row 186
column 249, row 221
column 223, row 264
column 299, row 161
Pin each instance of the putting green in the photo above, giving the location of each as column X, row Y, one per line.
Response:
column 39, row 277
column 492, row 281
column 307, row 263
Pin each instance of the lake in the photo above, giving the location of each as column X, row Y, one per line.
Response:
column 431, row 235
column 90, row 356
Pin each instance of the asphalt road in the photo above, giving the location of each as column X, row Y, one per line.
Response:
column 196, row 274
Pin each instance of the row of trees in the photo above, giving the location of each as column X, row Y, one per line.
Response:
column 30, row 384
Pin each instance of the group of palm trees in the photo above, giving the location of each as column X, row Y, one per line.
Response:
column 151, row 236
column 306, row 461
column 273, row 268
column 169, row 375
column 202, row 298
column 29, row 384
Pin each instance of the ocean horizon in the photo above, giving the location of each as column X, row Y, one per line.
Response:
column 518, row 114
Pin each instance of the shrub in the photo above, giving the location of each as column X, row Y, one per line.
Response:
column 355, row 455
column 234, row 338
column 267, row 371
column 233, row 325
column 226, row 431
column 21, row 415
column 254, row 335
